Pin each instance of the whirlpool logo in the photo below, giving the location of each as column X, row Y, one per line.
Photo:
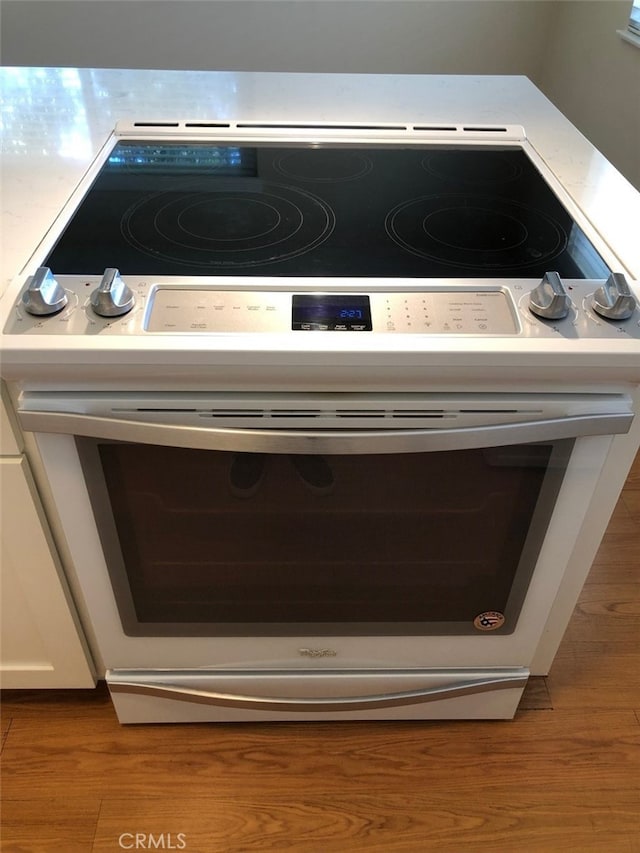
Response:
column 149, row 841
column 317, row 653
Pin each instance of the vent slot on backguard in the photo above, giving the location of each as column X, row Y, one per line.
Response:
column 227, row 130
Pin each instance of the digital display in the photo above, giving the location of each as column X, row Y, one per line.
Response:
column 326, row 312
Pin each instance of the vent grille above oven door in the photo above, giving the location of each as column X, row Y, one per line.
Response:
column 327, row 411
column 327, row 423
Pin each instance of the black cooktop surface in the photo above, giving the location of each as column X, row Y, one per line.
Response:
column 161, row 208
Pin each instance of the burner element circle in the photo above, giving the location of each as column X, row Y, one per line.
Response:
column 227, row 223
column 475, row 231
column 227, row 219
column 483, row 229
column 319, row 165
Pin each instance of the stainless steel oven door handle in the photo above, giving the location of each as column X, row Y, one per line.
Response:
column 325, row 441
column 180, row 692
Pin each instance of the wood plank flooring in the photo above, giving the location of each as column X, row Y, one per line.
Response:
column 564, row 776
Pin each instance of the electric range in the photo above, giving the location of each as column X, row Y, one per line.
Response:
column 332, row 417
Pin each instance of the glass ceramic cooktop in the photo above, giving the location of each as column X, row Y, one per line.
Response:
column 159, row 208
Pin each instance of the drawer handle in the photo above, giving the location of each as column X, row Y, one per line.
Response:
column 351, row 703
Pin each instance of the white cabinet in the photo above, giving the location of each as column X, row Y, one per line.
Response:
column 41, row 643
column 10, row 439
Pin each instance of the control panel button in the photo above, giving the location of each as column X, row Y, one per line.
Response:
column 112, row 297
column 549, row 299
column 614, row 299
column 44, row 295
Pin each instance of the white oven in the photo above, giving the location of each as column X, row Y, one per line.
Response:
column 306, row 474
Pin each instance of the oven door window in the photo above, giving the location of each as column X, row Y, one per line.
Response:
column 215, row 543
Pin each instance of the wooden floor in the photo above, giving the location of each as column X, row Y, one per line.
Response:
column 564, row 776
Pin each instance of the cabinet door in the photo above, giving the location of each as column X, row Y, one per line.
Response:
column 10, row 438
column 41, row 642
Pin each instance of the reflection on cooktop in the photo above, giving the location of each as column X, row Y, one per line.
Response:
column 161, row 208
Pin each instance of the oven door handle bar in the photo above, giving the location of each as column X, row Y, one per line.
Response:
column 181, row 692
column 325, row 441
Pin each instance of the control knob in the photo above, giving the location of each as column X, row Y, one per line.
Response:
column 549, row 299
column 112, row 297
column 614, row 299
column 44, row 295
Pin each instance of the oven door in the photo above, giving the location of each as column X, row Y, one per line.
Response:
column 233, row 537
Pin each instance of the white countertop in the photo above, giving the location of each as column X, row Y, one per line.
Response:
column 55, row 120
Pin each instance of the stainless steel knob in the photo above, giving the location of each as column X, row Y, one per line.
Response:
column 614, row 299
column 549, row 299
column 112, row 297
column 44, row 295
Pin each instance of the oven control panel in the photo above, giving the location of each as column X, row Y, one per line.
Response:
column 426, row 312
column 115, row 304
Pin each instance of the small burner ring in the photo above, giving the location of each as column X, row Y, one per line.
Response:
column 241, row 218
column 500, row 232
column 475, row 231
